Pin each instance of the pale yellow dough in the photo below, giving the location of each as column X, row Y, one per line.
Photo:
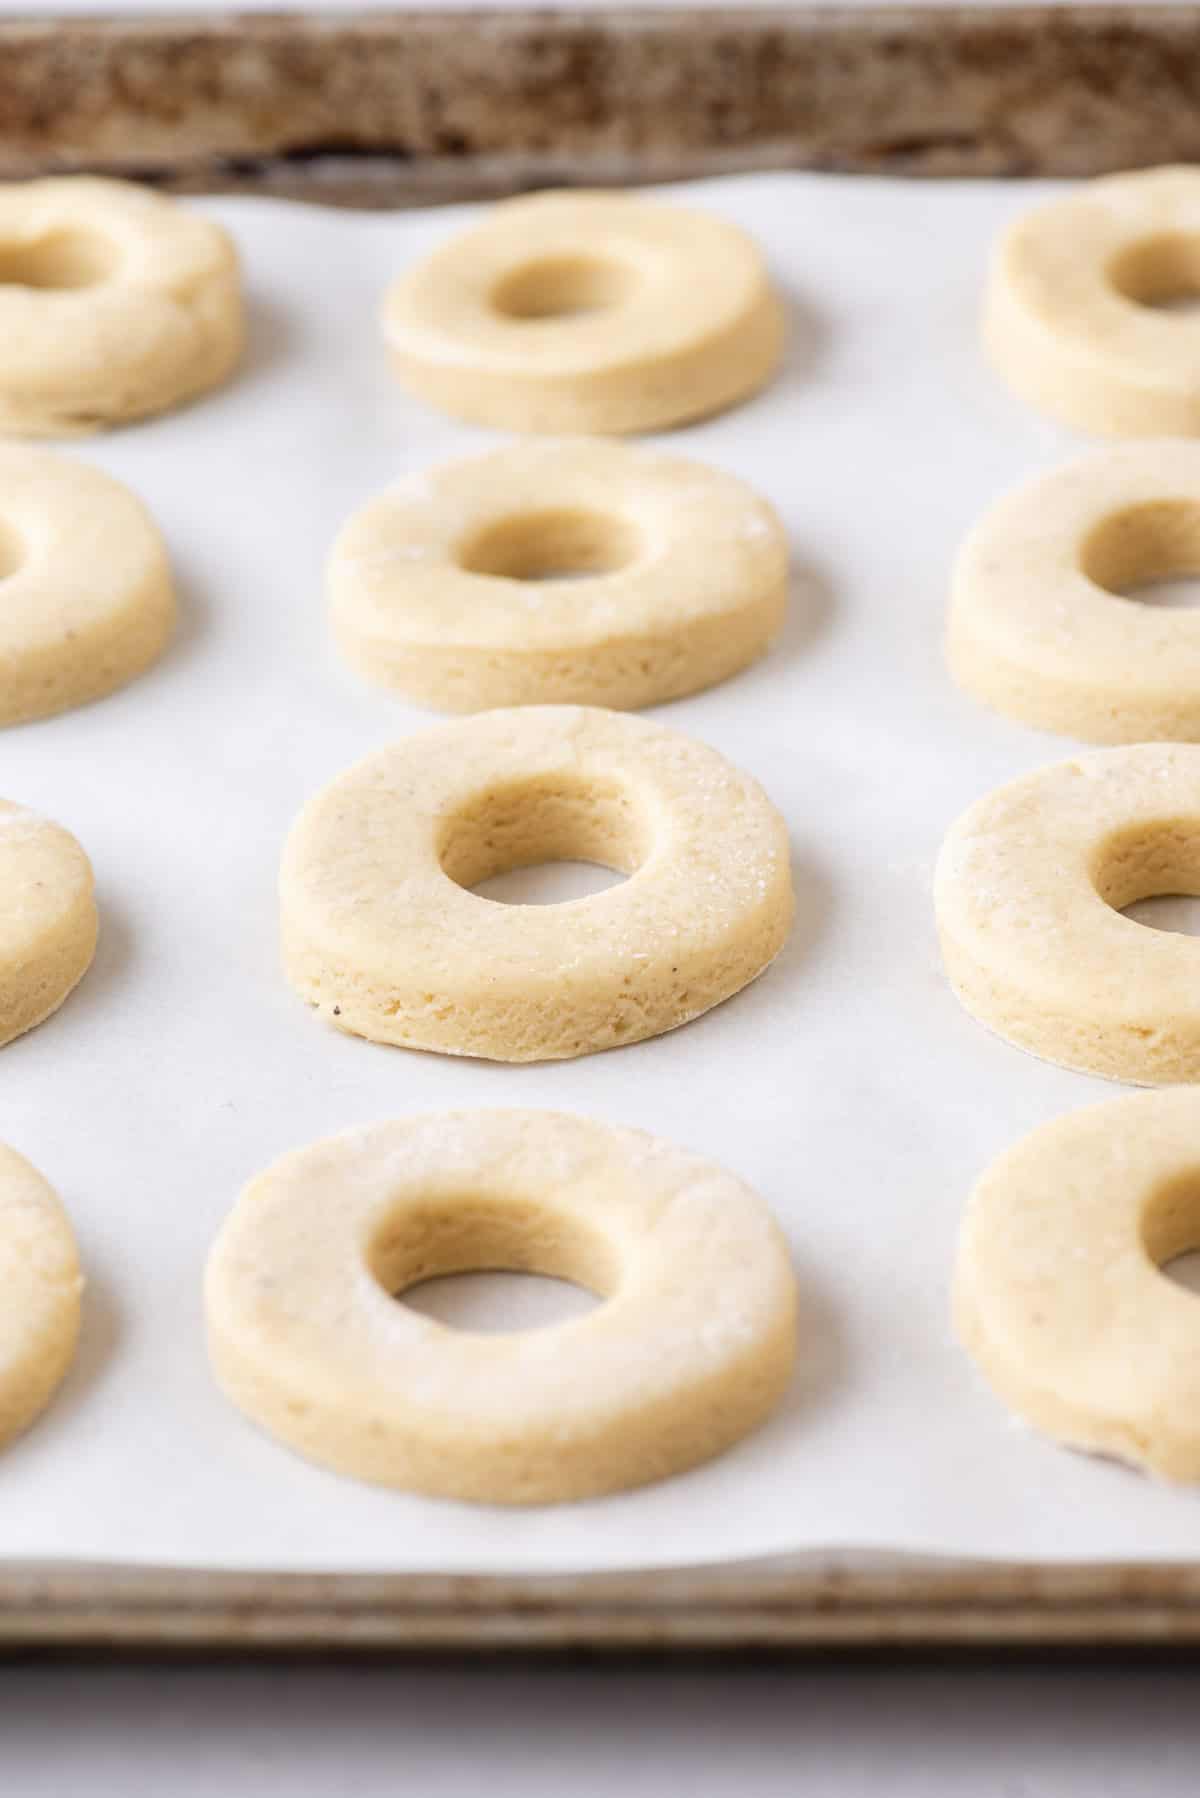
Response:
column 1074, row 319
column 1029, row 891
column 86, row 601
column 381, row 933
column 1038, row 626
column 590, row 312
column 691, row 1349
column 1058, row 1293
column 115, row 302
column 48, row 919
column 42, row 1287
column 456, row 587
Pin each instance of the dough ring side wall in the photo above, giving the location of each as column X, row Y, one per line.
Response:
column 86, row 596
column 1029, row 890
column 48, row 923
column 586, row 312
column 579, row 572
column 1040, row 627
column 42, row 1285
column 691, row 1348
column 115, row 303
column 382, row 935
column 1059, row 1294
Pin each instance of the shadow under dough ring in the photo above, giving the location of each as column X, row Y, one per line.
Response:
column 42, row 1286
column 591, row 312
column 1038, row 625
column 381, row 933
column 690, row 1349
column 461, row 588
column 1059, row 1294
column 48, row 922
column 86, row 600
column 1029, row 890
column 115, row 302
column 1075, row 319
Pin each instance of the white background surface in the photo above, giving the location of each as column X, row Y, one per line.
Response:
column 103, row 7
column 366, row 1732
column 733, row 1732
column 847, row 1087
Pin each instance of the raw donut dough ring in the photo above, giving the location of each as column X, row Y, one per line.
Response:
column 48, row 922
column 86, row 601
column 437, row 586
column 1070, row 320
column 115, row 302
column 691, row 1349
column 1038, row 627
column 381, row 934
column 42, row 1286
column 1029, row 891
column 586, row 312
column 1059, row 1295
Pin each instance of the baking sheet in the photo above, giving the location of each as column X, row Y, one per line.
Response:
column 846, row 1086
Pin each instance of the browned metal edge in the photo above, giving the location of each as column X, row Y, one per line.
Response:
column 415, row 106
column 762, row 1605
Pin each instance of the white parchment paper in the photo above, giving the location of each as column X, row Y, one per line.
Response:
column 846, row 1086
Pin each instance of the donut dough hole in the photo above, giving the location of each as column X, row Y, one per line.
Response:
column 1029, row 891
column 554, row 545
column 86, row 600
column 563, row 287
column 115, row 303
column 1059, row 1294
column 48, row 923
column 590, row 312
column 62, row 260
column 1075, row 319
column 42, row 1287
column 691, row 1349
column 382, row 935
column 581, row 571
